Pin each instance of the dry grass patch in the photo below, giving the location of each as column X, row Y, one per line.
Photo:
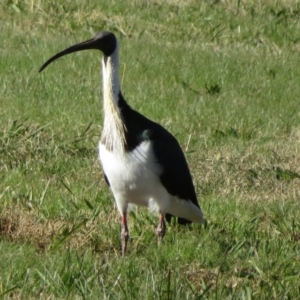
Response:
column 202, row 278
column 20, row 225
column 256, row 173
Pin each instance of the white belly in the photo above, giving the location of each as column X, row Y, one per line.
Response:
column 134, row 177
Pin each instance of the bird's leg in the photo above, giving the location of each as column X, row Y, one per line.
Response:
column 124, row 233
column 161, row 228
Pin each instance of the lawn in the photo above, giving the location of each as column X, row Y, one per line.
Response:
column 223, row 77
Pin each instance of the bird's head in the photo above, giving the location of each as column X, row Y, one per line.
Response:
column 104, row 41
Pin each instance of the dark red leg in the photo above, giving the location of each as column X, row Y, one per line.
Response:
column 124, row 234
column 161, row 228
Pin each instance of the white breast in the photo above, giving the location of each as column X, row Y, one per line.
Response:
column 133, row 176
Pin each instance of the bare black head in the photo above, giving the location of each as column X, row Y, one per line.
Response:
column 104, row 41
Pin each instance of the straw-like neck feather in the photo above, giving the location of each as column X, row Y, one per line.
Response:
column 113, row 135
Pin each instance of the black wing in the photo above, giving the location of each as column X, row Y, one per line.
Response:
column 176, row 177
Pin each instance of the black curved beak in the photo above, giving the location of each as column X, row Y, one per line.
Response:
column 104, row 41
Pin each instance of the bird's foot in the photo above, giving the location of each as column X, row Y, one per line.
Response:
column 124, row 239
column 124, row 235
column 161, row 229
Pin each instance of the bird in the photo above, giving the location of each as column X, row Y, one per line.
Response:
column 142, row 161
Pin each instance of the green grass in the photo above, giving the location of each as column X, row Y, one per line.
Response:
column 223, row 77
